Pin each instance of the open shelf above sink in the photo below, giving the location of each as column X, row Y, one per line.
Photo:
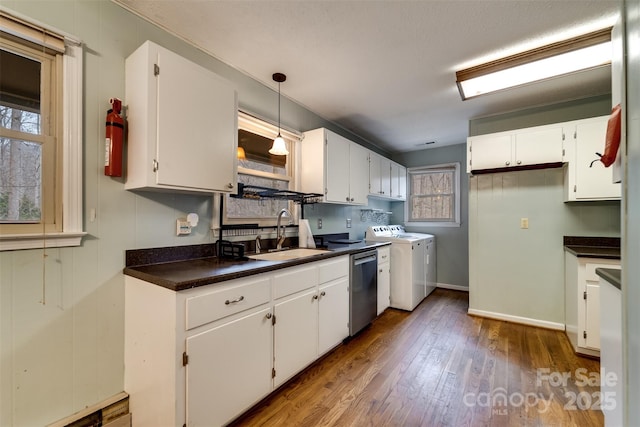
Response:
column 258, row 193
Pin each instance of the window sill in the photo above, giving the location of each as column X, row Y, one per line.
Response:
column 13, row 242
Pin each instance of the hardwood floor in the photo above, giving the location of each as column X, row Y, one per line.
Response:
column 438, row 366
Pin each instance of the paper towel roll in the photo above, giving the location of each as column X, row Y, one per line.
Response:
column 305, row 237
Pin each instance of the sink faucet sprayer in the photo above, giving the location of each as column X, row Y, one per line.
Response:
column 280, row 237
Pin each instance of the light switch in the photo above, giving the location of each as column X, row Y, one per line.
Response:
column 524, row 222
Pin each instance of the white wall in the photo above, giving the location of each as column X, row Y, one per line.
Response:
column 520, row 272
column 61, row 311
column 452, row 243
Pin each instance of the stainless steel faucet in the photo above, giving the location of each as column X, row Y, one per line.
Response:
column 280, row 237
column 258, row 245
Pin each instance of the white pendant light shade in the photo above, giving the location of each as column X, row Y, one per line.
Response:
column 279, row 147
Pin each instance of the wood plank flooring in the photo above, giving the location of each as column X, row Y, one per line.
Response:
column 438, row 366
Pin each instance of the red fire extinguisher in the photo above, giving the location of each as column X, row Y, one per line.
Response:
column 113, row 139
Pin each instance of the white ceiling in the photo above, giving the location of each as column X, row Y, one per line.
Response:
column 385, row 69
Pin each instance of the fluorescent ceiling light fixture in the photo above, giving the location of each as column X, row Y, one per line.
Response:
column 568, row 56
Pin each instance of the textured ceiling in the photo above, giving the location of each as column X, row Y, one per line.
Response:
column 385, row 70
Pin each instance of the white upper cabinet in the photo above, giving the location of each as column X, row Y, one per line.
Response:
column 398, row 181
column 379, row 175
column 489, row 151
column 358, row 173
column 523, row 147
column 582, row 180
column 387, row 179
column 537, row 146
column 182, row 124
column 335, row 167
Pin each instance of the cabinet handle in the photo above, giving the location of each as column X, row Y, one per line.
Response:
column 155, row 165
column 229, row 185
column 323, row 293
column 352, row 199
column 227, row 302
column 519, row 162
column 507, row 163
column 380, row 270
column 347, row 199
column 269, row 315
column 315, row 297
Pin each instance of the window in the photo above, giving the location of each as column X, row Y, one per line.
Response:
column 40, row 129
column 434, row 195
column 257, row 167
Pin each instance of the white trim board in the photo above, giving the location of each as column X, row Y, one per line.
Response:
column 453, row 287
column 517, row 319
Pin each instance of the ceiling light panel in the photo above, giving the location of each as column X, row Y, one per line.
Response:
column 580, row 53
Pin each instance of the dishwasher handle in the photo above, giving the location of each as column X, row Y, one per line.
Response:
column 370, row 258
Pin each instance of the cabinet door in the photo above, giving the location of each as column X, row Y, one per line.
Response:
column 385, row 177
column 229, row 369
column 384, row 286
column 295, row 335
column 592, row 321
column 398, row 181
column 337, row 168
column 419, row 283
column 534, row 147
column 490, row 151
column 197, row 126
column 592, row 182
column 333, row 314
column 402, row 183
column 375, row 180
column 359, row 174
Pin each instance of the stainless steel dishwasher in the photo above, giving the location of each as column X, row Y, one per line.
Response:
column 363, row 290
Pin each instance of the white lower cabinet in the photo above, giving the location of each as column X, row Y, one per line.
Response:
column 384, row 278
column 229, row 368
column 333, row 313
column 295, row 335
column 582, row 301
column 202, row 356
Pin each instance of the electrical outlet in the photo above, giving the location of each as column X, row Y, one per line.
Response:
column 348, row 222
column 319, row 223
column 524, row 222
column 182, row 227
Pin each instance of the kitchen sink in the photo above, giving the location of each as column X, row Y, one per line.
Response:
column 288, row 254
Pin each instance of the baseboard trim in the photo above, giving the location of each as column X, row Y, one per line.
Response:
column 452, row 287
column 517, row 319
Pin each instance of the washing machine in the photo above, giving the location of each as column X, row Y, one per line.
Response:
column 413, row 264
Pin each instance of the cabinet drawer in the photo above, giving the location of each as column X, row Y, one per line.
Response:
column 225, row 302
column 384, row 255
column 333, row 269
column 590, row 269
column 294, row 280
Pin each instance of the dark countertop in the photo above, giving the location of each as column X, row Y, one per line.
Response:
column 594, row 251
column 190, row 273
column 593, row 247
column 611, row 275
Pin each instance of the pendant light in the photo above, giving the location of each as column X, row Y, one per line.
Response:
column 279, row 148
